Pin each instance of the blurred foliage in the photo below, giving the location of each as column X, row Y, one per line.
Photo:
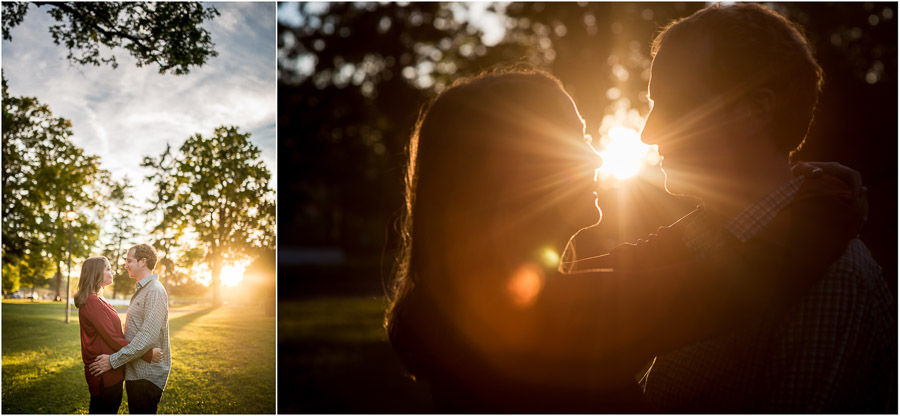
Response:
column 44, row 175
column 353, row 76
column 186, row 287
column 167, row 34
column 179, row 280
column 344, row 121
column 11, row 278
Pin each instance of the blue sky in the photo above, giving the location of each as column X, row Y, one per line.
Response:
column 127, row 113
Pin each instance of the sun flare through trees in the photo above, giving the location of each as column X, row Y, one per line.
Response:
column 624, row 154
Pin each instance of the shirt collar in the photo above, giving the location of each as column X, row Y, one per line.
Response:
column 146, row 280
column 753, row 219
column 702, row 235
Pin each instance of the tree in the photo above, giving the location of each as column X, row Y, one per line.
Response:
column 178, row 269
column 224, row 197
column 43, row 175
column 167, row 34
column 11, row 280
column 180, row 281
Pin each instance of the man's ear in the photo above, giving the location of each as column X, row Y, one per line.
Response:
column 142, row 263
column 762, row 105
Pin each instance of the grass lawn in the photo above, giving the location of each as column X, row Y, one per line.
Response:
column 334, row 357
column 223, row 360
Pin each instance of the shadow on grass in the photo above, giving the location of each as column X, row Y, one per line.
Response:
column 176, row 324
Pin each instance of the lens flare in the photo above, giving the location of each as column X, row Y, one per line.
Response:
column 549, row 257
column 624, row 153
column 525, row 285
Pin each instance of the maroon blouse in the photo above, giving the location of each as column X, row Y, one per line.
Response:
column 101, row 333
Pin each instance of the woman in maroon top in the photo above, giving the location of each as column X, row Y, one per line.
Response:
column 101, row 333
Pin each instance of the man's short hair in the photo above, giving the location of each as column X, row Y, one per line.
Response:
column 145, row 251
column 752, row 46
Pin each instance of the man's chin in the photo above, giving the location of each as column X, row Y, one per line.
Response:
column 672, row 185
column 676, row 186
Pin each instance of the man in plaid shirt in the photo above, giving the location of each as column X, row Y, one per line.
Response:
column 733, row 91
column 146, row 327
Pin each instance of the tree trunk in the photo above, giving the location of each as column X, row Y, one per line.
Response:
column 166, row 269
column 217, row 279
column 168, row 289
column 116, row 270
column 165, row 272
column 58, row 279
column 59, row 267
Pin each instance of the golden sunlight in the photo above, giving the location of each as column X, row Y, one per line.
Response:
column 624, row 154
column 232, row 275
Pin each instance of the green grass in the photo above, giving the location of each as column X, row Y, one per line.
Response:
column 334, row 357
column 223, row 361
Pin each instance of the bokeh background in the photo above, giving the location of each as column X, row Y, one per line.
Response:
column 352, row 78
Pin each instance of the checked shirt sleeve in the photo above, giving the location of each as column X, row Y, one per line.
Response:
column 155, row 315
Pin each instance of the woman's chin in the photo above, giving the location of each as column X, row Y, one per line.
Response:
column 587, row 218
column 576, row 215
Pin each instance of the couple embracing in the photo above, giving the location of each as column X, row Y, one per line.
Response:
column 141, row 356
column 762, row 300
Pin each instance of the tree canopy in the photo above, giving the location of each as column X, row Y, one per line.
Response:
column 166, row 34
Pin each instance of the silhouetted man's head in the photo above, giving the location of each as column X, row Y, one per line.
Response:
column 725, row 81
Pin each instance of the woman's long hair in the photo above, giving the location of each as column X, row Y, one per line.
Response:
column 485, row 157
column 91, row 280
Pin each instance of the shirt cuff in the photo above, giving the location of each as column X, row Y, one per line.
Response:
column 114, row 360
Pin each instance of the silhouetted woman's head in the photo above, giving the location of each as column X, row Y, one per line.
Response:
column 500, row 175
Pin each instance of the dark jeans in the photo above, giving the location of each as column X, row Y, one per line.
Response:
column 107, row 403
column 143, row 396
